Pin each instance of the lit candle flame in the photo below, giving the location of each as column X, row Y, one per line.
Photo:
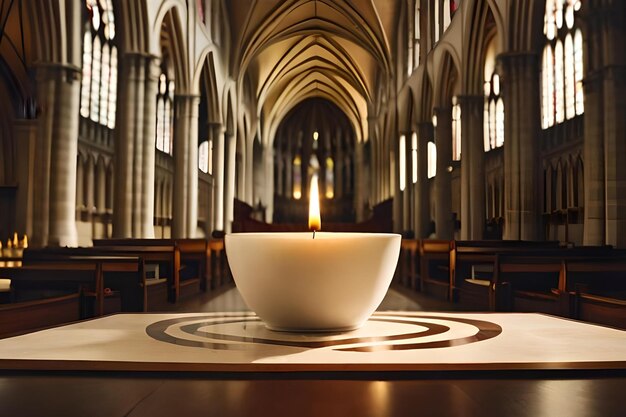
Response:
column 15, row 241
column 25, row 242
column 315, row 221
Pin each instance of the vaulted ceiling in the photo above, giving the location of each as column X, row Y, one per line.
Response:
column 294, row 50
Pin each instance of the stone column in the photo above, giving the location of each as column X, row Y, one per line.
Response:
column 152, row 73
column 289, row 172
column 472, row 167
column 57, row 147
column 522, row 188
column 25, row 132
column 268, row 164
column 422, row 190
column 250, row 170
column 218, row 176
column 407, row 194
column 443, row 182
column 359, row 183
column 339, row 166
column 185, row 192
column 605, row 124
column 229, row 183
column 129, row 128
column 280, row 164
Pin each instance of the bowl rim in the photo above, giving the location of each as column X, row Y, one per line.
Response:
column 340, row 235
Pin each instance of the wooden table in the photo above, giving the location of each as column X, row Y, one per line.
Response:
column 558, row 387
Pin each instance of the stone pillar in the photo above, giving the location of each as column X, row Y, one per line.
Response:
column 289, row 172
column 229, row 183
column 89, row 185
column 127, row 109
column 522, row 188
column 218, row 176
column 472, row 167
column 268, row 165
column 185, row 192
column 339, row 166
column 250, row 170
column 26, row 137
column 605, row 124
column 422, row 190
column 280, row 164
column 359, row 183
column 152, row 73
column 57, row 147
column 443, row 181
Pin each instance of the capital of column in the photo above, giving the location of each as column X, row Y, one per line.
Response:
column 520, row 63
column 48, row 70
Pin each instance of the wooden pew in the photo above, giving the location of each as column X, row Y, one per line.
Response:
column 434, row 261
column 535, row 280
column 159, row 253
column 119, row 278
column 20, row 317
column 598, row 288
column 529, row 283
column 35, row 282
column 406, row 271
column 185, row 262
column 472, row 265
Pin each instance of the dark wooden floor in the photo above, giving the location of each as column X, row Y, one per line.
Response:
column 397, row 394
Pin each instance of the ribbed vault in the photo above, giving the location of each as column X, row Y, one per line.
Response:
column 297, row 50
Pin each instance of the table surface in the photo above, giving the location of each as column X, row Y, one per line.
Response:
column 487, row 392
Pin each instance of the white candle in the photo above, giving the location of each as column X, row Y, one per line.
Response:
column 295, row 283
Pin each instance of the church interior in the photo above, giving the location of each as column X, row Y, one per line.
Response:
column 476, row 142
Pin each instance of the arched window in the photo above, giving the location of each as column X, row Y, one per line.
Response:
column 330, row 178
column 297, row 177
column 432, row 160
column 436, row 22
column 402, row 162
column 414, row 158
column 562, row 63
column 456, row 130
column 416, row 34
column 98, row 92
column 493, row 132
column 205, row 156
column 165, row 110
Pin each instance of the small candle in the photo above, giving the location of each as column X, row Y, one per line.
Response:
column 315, row 220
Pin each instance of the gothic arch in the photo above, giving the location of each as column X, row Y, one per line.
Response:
column 171, row 44
column 448, row 81
column 483, row 25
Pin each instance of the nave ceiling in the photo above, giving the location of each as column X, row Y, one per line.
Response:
column 300, row 49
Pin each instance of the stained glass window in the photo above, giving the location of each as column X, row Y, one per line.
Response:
column 165, row 110
column 98, row 96
column 402, row 162
column 562, row 63
column 330, row 178
column 414, row 157
column 297, row 177
column 493, row 132
column 204, row 156
column 416, row 34
column 456, row 130
column 432, row 159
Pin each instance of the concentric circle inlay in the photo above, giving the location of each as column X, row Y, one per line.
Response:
column 384, row 331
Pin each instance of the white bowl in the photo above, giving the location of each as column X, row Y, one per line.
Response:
column 296, row 283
